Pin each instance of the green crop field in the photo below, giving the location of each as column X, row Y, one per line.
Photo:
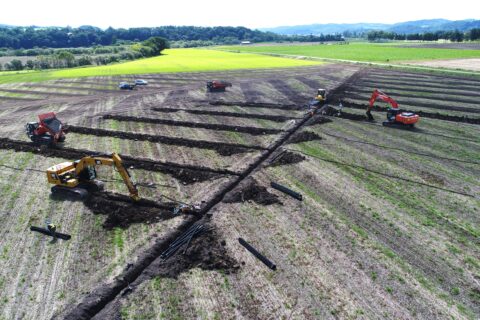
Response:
column 368, row 52
column 173, row 60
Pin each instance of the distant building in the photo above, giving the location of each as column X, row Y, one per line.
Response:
column 245, row 42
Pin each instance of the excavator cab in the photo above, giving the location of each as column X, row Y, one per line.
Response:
column 319, row 100
column 321, row 95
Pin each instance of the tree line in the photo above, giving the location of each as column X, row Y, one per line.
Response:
column 67, row 59
column 455, row 35
column 87, row 36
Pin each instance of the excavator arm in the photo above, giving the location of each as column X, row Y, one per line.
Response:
column 377, row 94
column 117, row 162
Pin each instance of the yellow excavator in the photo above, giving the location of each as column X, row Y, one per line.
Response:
column 79, row 177
column 319, row 100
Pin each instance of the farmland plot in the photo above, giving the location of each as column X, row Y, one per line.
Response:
column 388, row 226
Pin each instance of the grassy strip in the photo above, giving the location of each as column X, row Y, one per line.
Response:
column 173, row 60
column 368, row 52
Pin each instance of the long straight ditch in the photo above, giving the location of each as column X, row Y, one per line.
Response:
column 222, row 148
column 431, row 115
column 365, row 93
column 252, row 104
column 270, row 117
column 94, row 302
column 185, row 173
column 200, row 125
column 413, row 101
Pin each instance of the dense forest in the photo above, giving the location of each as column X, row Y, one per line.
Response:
column 86, row 36
column 455, row 36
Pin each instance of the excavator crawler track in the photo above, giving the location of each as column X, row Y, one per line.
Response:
column 77, row 192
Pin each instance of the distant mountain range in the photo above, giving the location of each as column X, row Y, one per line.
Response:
column 418, row 26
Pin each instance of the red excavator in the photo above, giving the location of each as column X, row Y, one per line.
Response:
column 217, row 86
column 48, row 131
column 395, row 116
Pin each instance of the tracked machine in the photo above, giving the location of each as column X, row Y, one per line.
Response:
column 78, row 178
column 320, row 99
column 217, row 86
column 49, row 131
column 395, row 116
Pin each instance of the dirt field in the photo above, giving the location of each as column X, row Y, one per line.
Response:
column 388, row 226
column 461, row 64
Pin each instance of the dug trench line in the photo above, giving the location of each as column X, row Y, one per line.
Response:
column 365, row 94
column 187, row 174
column 400, row 149
column 431, row 115
column 413, row 102
column 99, row 298
column 201, row 125
column 271, row 117
column 222, row 148
column 252, row 104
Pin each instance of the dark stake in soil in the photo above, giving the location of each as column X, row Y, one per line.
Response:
column 187, row 174
column 250, row 190
column 275, row 118
column 121, row 211
column 285, row 158
column 304, row 136
column 211, row 126
column 222, row 148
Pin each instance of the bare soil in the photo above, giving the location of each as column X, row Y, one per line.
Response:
column 462, row 64
column 388, row 227
column 250, row 190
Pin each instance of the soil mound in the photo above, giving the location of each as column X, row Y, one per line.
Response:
column 122, row 212
column 205, row 251
column 251, row 190
column 304, row 136
column 287, row 158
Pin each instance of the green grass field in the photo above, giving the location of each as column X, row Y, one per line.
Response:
column 367, row 52
column 173, row 60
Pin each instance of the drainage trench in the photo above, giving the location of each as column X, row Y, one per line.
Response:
column 93, row 303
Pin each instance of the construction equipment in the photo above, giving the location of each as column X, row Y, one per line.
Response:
column 79, row 177
column 126, row 86
column 217, row 86
column 319, row 99
column 395, row 116
column 48, row 131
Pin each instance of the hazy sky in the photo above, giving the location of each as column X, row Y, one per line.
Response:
column 249, row 13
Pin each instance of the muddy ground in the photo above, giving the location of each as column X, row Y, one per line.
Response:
column 388, row 226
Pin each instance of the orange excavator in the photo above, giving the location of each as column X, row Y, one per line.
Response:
column 395, row 116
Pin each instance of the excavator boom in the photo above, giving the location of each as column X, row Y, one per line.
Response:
column 377, row 94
